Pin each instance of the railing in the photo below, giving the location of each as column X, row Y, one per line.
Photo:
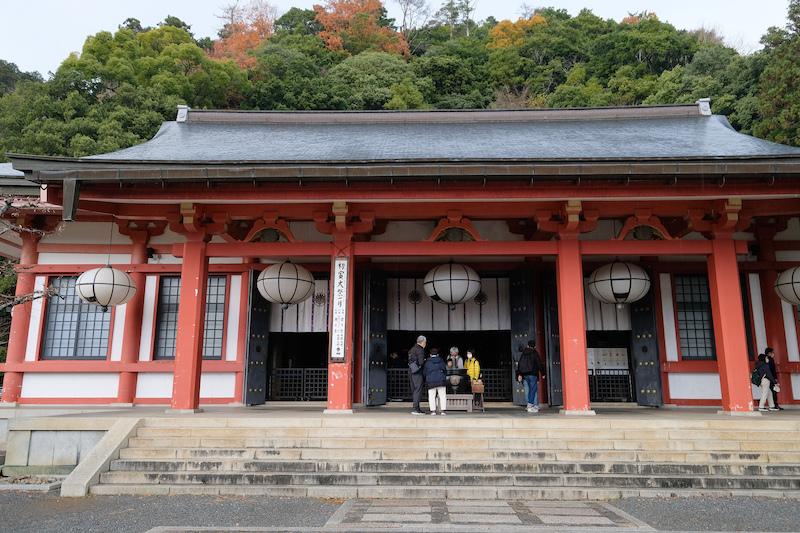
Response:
column 298, row 384
column 610, row 385
column 497, row 383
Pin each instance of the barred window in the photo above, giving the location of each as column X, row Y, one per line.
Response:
column 72, row 328
column 167, row 317
column 696, row 330
column 215, row 317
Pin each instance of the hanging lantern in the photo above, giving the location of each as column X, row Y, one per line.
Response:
column 451, row 284
column 788, row 285
column 105, row 287
column 285, row 284
column 619, row 283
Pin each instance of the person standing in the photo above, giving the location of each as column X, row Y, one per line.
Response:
column 454, row 360
column 473, row 366
column 770, row 353
column 767, row 378
column 528, row 369
column 436, row 378
column 395, row 361
column 416, row 360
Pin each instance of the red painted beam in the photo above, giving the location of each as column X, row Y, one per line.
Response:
column 676, row 247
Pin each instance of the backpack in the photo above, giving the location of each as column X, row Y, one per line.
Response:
column 755, row 377
column 525, row 364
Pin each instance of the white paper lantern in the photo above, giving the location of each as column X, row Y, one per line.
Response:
column 285, row 283
column 105, row 287
column 788, row 285
column 451, row 284
column 619, row 283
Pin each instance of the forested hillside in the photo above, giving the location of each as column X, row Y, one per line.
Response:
column 346, row 54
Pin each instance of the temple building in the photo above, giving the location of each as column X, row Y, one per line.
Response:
column 356, row 208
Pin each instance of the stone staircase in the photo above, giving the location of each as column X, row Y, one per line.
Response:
column 549, row 456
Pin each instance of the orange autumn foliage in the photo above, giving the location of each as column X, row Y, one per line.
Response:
column 352, row 25
column 249, row 27
column 507, row 34
column 635, row 19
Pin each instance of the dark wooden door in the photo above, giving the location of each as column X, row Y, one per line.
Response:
column 523, row 324
column 644, row 347
column 552, row 340
column 255, row 379
column 375, row 324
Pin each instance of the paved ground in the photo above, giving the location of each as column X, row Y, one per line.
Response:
column 28, row 512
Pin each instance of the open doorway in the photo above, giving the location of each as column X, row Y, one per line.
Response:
column 491, row 348
column 297, row 366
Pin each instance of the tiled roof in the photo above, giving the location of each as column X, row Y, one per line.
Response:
column 627, row 134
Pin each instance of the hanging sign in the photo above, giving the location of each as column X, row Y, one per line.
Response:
column 339, row 310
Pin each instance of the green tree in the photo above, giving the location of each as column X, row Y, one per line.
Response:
column 365, row 81
column 10, row 75
column 779, row 85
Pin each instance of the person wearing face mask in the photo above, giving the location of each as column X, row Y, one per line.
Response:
column 473, row 366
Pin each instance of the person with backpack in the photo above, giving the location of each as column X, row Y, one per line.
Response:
column 767, row 380
column 528, row 369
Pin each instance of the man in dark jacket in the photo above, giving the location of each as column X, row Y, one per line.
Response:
column 528, row 369
column 770, row 353
column 417, row 355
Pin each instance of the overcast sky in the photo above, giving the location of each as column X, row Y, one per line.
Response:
column 40, row 34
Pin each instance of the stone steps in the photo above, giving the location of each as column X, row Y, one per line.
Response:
column 390, row 454
column 255, row 466
column 508, row 458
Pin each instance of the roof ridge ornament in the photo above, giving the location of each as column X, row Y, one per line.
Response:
column 705, row 106
column 183, row 113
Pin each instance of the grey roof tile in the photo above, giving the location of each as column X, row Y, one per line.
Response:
column 388, row 140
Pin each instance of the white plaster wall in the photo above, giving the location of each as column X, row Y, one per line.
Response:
column 400, row 231
column 159, row 385
column 154, row 385
column 796, row 386
column 494, row 231
column 168, row 237
column 605, row 230
column 307, row 232
column 118, row 331
column 232, row 327
column 759, row 323
column 217, row 384
column 668, row 312
column 790, row 330
column 694, row 386
column 148, row 314
column 73, row 385
column 792, row 231
column 787, row 255
column 35, row 325
column 95, row 233
column 84, row 259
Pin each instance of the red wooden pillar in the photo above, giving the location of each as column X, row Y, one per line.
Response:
column 191, row 318
column 340, row 373
column 773, row 309
column 132, row 336
column 729, row 329
column 21, row 319
column 572, row 326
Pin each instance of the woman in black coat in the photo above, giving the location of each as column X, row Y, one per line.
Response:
column 435, row 371
column 767, row 379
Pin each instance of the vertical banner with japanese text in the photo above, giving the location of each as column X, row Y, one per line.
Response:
column 338, row 331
